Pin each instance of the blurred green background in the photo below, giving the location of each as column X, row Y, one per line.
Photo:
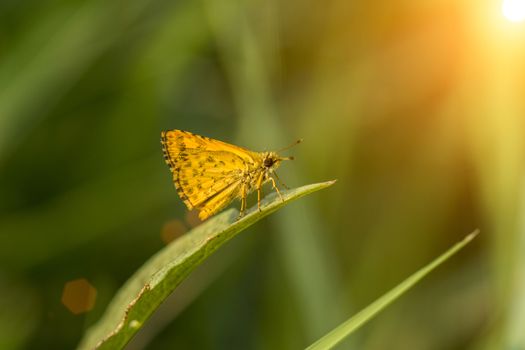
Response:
column 416, row 107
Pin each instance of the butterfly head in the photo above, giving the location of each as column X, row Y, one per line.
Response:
column 272, row 160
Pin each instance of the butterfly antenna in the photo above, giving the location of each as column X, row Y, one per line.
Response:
column 290, row 146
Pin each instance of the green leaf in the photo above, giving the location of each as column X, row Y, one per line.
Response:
column 349, row 326
column 140, row 296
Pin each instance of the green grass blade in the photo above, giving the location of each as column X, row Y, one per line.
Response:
column 157, row 278
column 348, row 327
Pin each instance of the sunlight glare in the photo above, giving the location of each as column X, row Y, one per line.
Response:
column 514, row 10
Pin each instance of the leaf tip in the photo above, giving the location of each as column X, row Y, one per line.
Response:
column 472, row 235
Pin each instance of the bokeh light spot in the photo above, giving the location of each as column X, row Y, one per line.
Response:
column 192, row 218
column 514, row 10
column 171, row 230
column 79, row 296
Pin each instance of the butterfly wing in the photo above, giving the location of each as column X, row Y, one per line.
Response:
column 201, row 175
column 178, row 141
column 207, row 173
column 219, row 200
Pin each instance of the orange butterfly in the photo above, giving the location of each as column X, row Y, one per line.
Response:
column 208, row 174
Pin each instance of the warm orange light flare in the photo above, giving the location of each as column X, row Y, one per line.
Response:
column 513, row 10
column 79, row 296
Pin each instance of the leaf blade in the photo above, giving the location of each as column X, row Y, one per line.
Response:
column 338, row 334
column 136, row 301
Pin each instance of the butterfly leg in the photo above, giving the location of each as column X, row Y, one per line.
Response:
column 280, row 182
column 259, row 190
column 276, row 188
column 243, row 201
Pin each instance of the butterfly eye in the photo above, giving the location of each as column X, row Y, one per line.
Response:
column 268, row 162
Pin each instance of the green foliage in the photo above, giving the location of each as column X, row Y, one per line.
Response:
column 415, row 107
column 157, row 278
column 351, row 325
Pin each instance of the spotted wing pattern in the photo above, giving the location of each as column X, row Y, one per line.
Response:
column 207, row 173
